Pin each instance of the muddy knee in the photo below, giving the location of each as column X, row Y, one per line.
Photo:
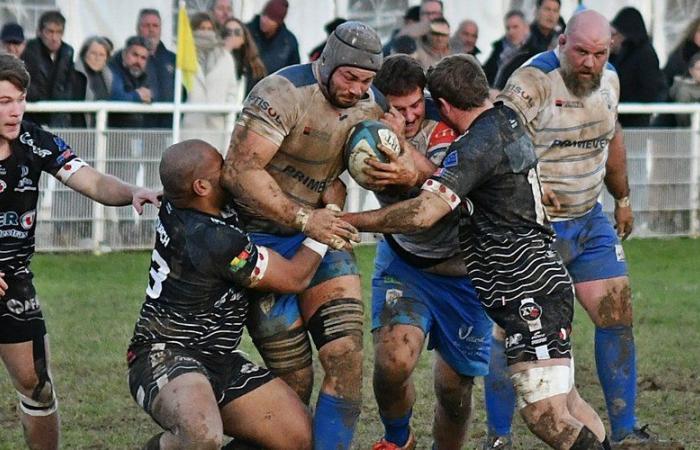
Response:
column 454, row 397
column 615, row 307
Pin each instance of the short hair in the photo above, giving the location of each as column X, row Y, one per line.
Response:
column 95, row 40
column 459, row 80
column 147, row 12
column 135, row 40
column 12, row 69
column 514, row 13
column 539, row 3
column 199, row 18
column 51, row 17
column 400, row 75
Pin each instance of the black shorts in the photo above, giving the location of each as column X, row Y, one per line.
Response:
column 536, row 328
column 21, row 319
column 152, row 368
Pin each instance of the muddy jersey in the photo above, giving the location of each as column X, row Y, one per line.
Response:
column 440, row 241
column 571, row 134
column 505, row 242
column 33, row 152
column 196, row 296
column 289, row 109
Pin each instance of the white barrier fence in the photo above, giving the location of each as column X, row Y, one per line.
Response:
column 663, row 167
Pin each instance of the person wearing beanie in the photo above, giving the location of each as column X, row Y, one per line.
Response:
column 12, row 39
column 285, row 156
column 277, row 45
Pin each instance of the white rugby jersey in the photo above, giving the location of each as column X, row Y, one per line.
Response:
column 571, row 134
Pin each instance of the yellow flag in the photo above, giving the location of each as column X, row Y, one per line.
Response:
column 186, row 51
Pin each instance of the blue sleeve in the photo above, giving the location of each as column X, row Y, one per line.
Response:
column 118, row 93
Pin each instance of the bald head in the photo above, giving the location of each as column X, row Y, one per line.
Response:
column 588, row 22
column 182, row 164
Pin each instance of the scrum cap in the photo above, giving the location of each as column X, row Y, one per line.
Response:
column 351, row 44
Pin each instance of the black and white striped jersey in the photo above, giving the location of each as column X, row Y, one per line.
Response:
column 196, row 295
column 491, row 171
column 33, row 152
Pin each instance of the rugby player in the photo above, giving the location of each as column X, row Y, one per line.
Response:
column 420, row 285
column 567, row 99
column 26, row 151
column 490, row 173
column 184, row 369
column 286, row 151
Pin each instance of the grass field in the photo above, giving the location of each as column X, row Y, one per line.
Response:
column 91, row 303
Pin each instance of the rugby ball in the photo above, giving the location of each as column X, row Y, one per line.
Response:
column 362, row 144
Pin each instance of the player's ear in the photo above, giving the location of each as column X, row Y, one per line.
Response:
column 444, row 106
column 201, row 187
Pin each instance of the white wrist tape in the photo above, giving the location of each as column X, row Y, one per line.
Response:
column 315, row 246
column 301, row 218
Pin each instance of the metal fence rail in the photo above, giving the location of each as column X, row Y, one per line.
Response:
column 663, row 167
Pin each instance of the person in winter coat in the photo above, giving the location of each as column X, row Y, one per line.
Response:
column 214, row 83
column 679, row 59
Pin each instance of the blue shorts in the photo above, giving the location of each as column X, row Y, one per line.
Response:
column 446, row 308
column 271, row 314
column 589, row 247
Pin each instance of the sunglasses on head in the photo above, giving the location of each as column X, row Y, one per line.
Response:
column 233, row 32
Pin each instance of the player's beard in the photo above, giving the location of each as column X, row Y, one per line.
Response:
column 335, row 99
column 580, row 87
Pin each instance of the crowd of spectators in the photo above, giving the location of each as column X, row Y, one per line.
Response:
column 234, row 55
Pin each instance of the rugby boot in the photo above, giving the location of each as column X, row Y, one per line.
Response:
column 383, row 444
column 494, row 442
column 644, row 439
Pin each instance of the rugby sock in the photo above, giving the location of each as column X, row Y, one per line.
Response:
column 617, row 371
column 154, row 442
column 397, row 430
column 499, row 394
column 586, row 440
column 334, row 422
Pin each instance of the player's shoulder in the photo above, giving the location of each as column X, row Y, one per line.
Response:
column 38, row 141
column 377, row 97
column 298, row 75
column 545, row 62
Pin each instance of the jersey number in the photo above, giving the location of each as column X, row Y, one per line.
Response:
column 158, row 274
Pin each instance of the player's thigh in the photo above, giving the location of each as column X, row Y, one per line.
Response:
column 608, row 302
column 271, row 416
column 20, row 359
column 187, row 406
column 397, row 349
column 341, row 287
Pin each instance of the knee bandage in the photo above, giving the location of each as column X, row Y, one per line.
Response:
column 539, row 383
column 336, row 319
column 43, row 401
column 285, row 352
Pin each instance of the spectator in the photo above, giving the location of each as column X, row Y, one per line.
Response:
column 435, row 45
column 544, row 32
column 130, row 82
column 503, row 49
column 213, row 84
column 161, row 65
column 92, row 63
column 464, row 39
column 277, row 45
column 249, row 67
column 221, row 11
column 686, row 89
column 49, row 62
column 404, row 45
column 12, row 39
column 637, row 65
column 679, row 58
column 430, row 10
column 410, row 19
column 329, row 27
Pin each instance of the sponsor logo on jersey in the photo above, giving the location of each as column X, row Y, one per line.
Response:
column 518, row 91
column 9, row 219
column 531, row 312
column 3, row 171
column 311, row 183
column 265, row 106
column 162, row 234
column 60, row 143
column 559, row 103
column 584, row 143
column 25, row 184
column 241, row 260
column 512, row 341
column 28, row 140
column 27, row 219
column 19, row 307
column 392, row 296
column 450, row 160
column 64, row 156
